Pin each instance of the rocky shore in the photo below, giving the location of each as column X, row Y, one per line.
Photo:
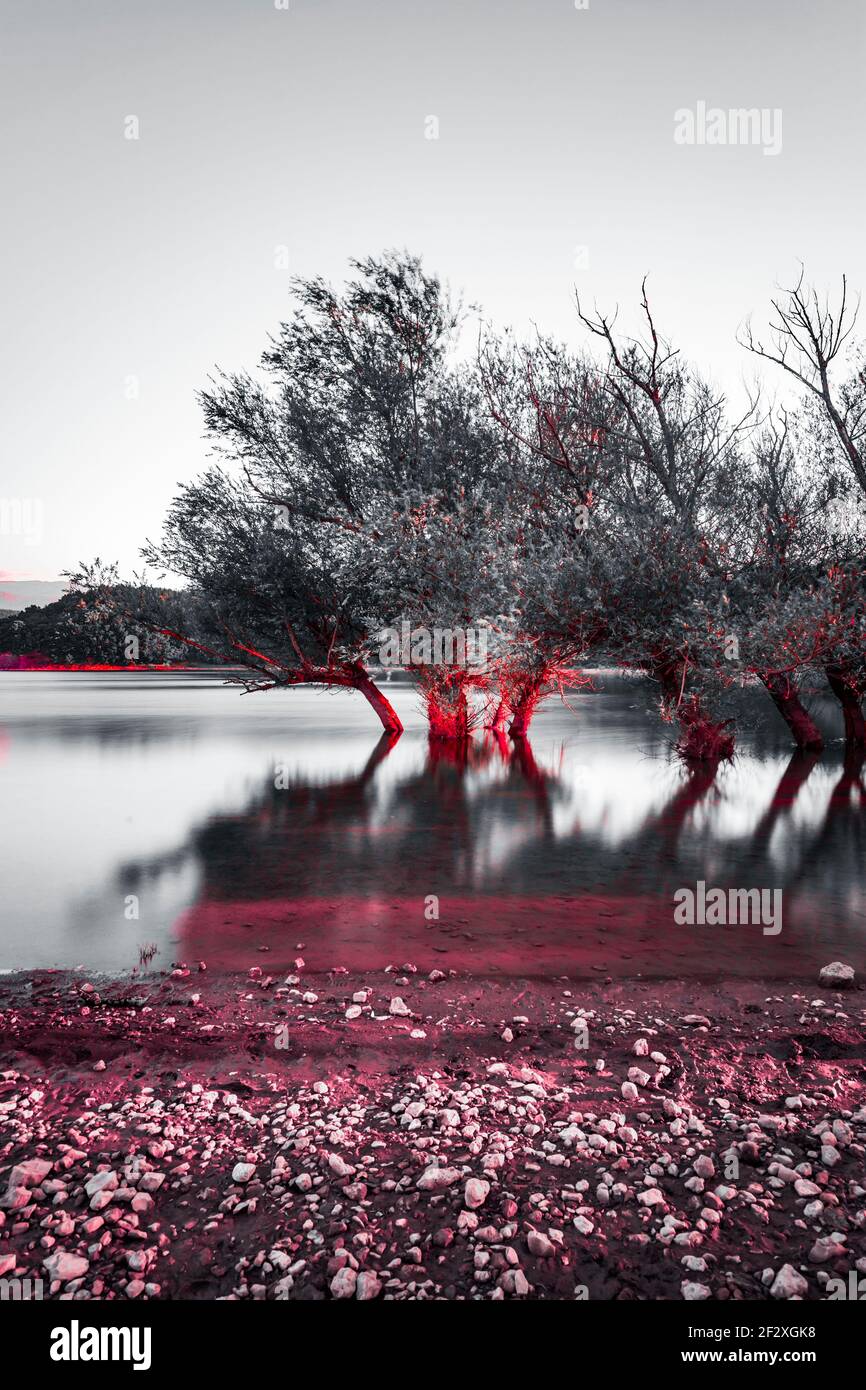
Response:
column 405, row 1135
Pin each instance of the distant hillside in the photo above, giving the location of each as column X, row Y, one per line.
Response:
column 17, row 594
column 71, row 631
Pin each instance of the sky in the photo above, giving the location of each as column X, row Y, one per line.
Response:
column 275, row 141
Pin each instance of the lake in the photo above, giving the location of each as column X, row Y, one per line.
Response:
column 169, row 808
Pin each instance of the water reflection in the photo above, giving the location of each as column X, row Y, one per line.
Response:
column 238, row 828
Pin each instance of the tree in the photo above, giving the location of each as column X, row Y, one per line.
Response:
column 809, row 338
column 775, row 612
column 363, row 417
column 677, row 456
column 541, row 398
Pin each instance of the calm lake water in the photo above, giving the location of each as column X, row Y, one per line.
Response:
column 248, row 829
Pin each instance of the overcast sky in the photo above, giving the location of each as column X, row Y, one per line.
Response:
column 136, row 265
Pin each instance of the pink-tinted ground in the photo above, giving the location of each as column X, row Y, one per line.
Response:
column 511, row 936
column 706, row 1142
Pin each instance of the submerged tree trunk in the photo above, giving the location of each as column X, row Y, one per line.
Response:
column 390, row 720
column 783, row 693
column 702, row 738
column 499, row 718
column 447, row 701
column 669, row 674
column 524, row 706
column 845, row 690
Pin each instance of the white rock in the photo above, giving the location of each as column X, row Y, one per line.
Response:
column 63, row 1266
column 789, row 1284
column 30, row 1173
column 837, row 975
column 101, row 1182
column 435, row 1179
column 339, row 1166
column 476, row 1193
column 514, row 1281
column 398, row 1007
column 652, row 1197
column 343, row 1283
column 368, row 1285
column 540, row 1245
column 693, row 1292
column 826, row 1248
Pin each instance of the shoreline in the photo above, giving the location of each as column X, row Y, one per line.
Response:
column 193, row 1135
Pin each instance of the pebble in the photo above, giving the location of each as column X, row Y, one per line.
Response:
column 339, row 1166
column 693, row 1292
column 30, row 1174
column 367, row 1286
column 435, row 1179
column 837, row 975
column 343, row 1283
column 652, row 1197
column 476, row 1193
column 540, row 1245
column 63, row 1266
column 789, row 1284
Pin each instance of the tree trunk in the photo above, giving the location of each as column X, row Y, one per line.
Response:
column 448, row 713
column 702, row 738
column 387, row 714
column 669, row 674
column 462, row 714
column 845, row 691
column 499, row 718
column 524, row 708
column 784, row 695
